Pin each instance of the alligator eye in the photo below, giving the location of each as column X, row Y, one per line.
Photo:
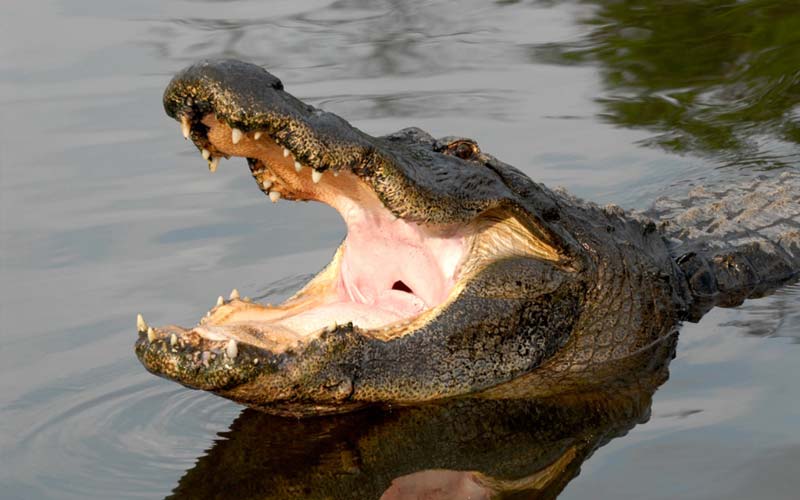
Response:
column 464, row 149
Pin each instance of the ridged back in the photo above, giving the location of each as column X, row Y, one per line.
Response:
column 734, row 239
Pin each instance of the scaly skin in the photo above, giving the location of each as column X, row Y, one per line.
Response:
column 568, row 318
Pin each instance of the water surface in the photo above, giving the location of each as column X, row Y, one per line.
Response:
column 105, row 212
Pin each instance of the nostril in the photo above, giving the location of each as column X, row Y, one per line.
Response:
column 399, row 285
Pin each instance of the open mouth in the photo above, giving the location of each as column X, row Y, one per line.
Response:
column 387, row 272
column 423, row 220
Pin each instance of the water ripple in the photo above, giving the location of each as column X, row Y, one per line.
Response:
column 127, row 440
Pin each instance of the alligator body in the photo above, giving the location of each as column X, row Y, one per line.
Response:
column 459, row 275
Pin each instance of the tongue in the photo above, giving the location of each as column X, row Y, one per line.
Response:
column 401, row 303
column 393, row 306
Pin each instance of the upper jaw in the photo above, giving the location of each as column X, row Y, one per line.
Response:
column 415, row 180
column 247, row 99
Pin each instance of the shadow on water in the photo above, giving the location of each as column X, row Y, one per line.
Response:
column 710, row 77
column 504, row 446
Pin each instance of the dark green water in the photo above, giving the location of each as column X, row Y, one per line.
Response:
column 105, row 212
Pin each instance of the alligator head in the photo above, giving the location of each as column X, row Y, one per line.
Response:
column 457, row 273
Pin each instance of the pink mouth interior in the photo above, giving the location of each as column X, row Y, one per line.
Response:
column 390, row 270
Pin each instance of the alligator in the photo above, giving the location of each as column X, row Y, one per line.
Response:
column 459, row 275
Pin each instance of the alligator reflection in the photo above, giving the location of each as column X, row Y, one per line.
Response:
column 500, row 445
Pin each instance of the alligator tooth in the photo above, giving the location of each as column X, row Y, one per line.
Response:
column 220, row 301
column 212, row 165
column 285, row 153
column 267, row 184
column 141, row 324
column 274, row 196
column 173, row 340
column 151, row 334
column 257, row 136
column 316, row 175
column 336, row 173
column 234, row 294
column 186, row 127
column 255, row 361
column 231, row 349
column 236, row 135
column 298, row 166
column 206, row 154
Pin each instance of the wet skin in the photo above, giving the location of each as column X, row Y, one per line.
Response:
column 459, row 275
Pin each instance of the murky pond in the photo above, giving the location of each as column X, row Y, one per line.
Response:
column 105, row 212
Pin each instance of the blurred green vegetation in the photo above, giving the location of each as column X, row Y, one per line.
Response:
column 716, row 77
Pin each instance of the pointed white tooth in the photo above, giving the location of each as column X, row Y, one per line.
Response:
column 173, row 340
column 186, row 127
column 316, row 175
column 274, row 196
column 236, row 135
column 151, row 334
column 298, row 166
column 206, row 154
column 257, row 136
column 141, row 324
column 247, row 299
column 285, row 153
column 335, row 173
column 220, row 301
column 234, row 294
column 267, row 184
column 212, row 165
column 232, row 350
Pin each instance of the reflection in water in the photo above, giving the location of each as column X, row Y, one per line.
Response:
column 506, row 446
column 709, row 77
column 779, row 317
column 376, row 39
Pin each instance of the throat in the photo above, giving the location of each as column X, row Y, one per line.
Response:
column 395, row 267
column 387, row 271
